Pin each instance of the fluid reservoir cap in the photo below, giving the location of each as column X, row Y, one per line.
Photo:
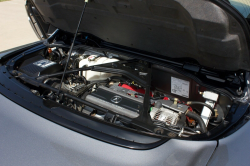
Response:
column 92, row 57
column 210, row 95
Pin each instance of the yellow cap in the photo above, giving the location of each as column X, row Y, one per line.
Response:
column 175, row 100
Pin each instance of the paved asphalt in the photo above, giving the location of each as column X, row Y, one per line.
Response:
column 15, row 29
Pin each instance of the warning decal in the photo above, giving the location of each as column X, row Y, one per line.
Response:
column 180, row 87
column 44, row 63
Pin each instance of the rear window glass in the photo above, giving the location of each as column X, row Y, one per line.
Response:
column 243, row 6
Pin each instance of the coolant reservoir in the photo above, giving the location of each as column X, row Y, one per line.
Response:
column 95, row 60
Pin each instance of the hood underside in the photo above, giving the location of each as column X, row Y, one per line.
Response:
column 196, row 29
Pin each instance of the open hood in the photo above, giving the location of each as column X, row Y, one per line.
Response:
column 196, row 29
column 129, row 78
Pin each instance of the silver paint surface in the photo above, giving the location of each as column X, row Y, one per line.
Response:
column 27, row 139
column 233, row 150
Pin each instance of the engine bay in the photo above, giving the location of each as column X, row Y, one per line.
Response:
column 124, row 92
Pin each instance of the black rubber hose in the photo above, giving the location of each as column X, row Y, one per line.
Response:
column 118, row 78
column 157, row 98
column 84, row 80
column 198, row 119
column 200, row 103
column 152, row 98
column 98, row 81
column 58, row 54
column 193, row 130
column 63, row 61
column 88, row 87
column 58, row 45
column 109, row 79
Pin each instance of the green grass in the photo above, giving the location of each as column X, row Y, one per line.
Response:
column 3, row 0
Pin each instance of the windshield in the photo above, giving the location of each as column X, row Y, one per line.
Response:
column 243, row 6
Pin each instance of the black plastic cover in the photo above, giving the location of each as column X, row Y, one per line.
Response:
column 197, row 29
column 37, row 66
column 116, row 102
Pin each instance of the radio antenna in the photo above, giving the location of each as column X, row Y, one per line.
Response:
column 72, row 45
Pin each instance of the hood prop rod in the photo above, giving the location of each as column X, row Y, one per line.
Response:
column 72, row 45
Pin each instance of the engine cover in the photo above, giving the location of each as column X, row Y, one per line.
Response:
column 37, row 66
column 115, row 101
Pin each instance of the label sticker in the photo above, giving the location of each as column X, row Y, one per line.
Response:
column 180, row 87
column 44, row 63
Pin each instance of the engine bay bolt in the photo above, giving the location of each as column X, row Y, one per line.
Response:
column 159, row 131
column 14, row 72
column 239, row 91
column 228, row 107
column 172, row 134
